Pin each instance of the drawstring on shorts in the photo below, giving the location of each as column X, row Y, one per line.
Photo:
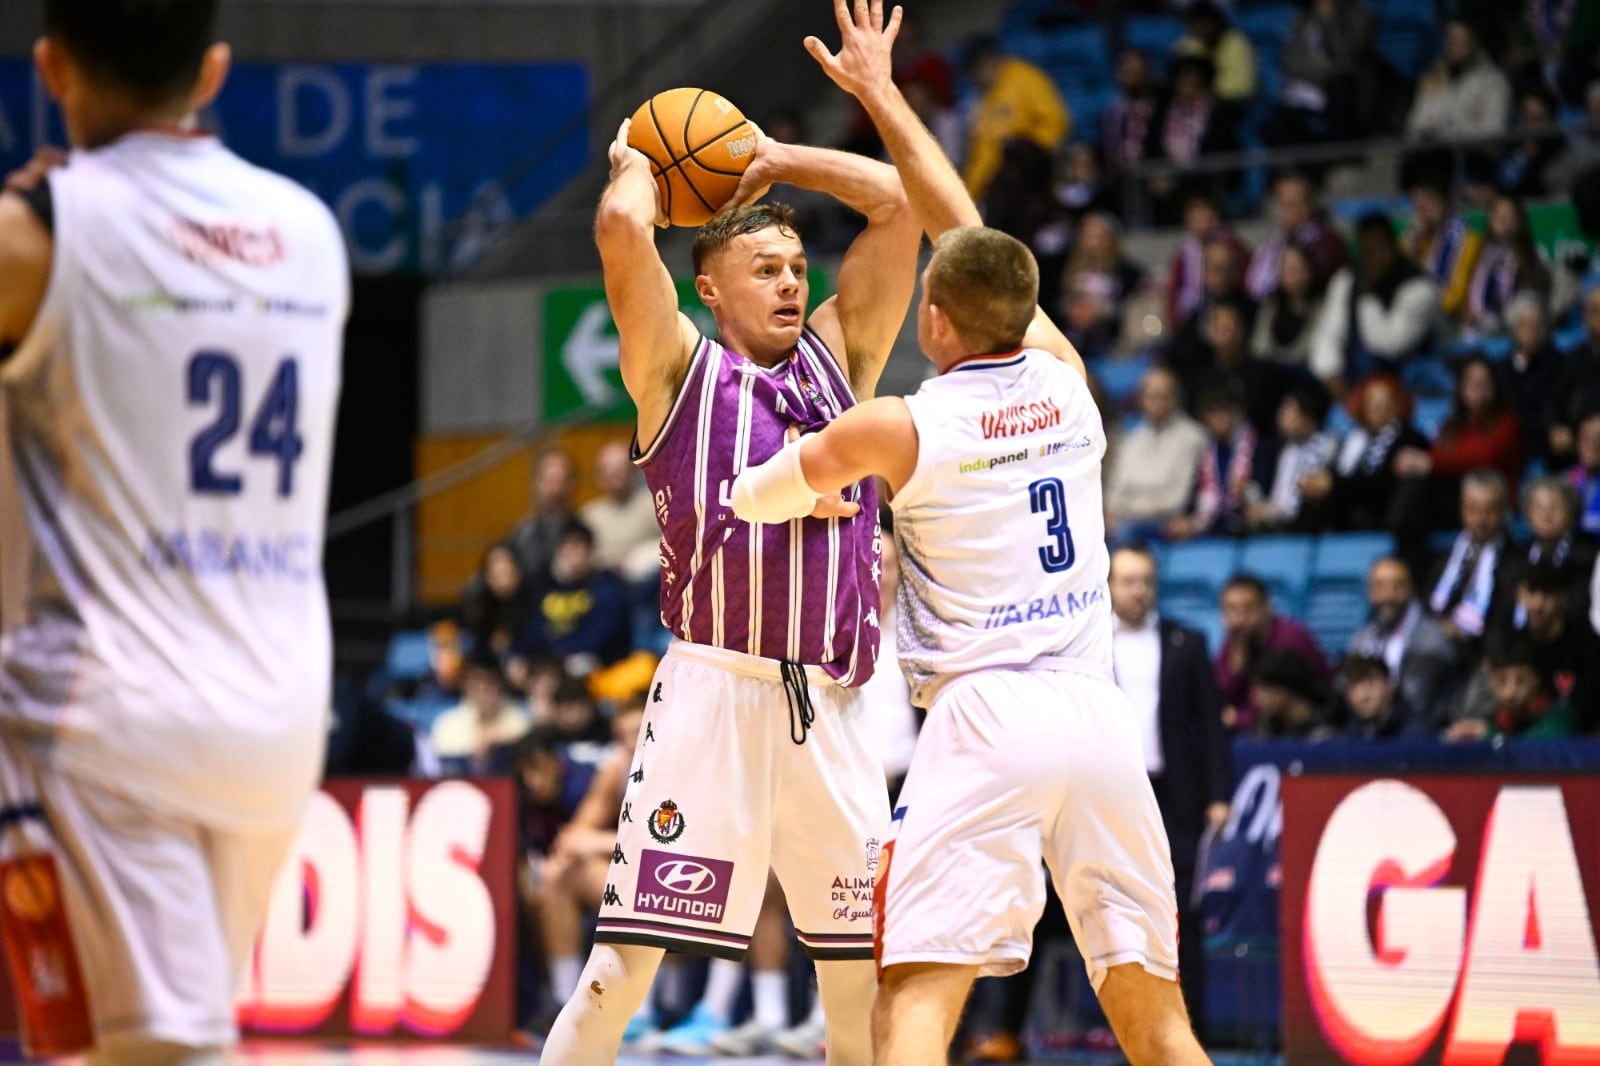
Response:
column 795, row 687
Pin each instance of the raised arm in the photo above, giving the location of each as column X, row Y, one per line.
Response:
column 861, row 320
column 877, row 437
column 655, row 339
column 938, row 196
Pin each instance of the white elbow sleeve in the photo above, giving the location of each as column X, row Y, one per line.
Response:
column 775, row 491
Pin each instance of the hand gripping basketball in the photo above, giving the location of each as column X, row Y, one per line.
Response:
column 698, row 145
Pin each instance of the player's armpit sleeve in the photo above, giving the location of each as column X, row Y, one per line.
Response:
column 775, row 491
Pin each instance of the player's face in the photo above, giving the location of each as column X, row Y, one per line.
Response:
column 758, row 292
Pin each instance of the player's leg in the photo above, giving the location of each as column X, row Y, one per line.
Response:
column 1148, row 1015
column 611, row 988
column 1112, row 866
column 831, row 818
column 919, row 1005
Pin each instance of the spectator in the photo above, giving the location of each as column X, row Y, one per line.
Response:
column 580, row 614
column 1577, row 389
column 542, row 810
column 1018, row 100
column 474, row 738
column 1221, row 281
column 1163, row 670
column 1288, row 317
column 1585, row 474
column 1082, row 187
column 1233, row 467
column 1522, row 167
column 623, row 517
column 1303, row 450
column 366, row 740
column 1151, row 475
column 1420, row 659
column 1594, row 600
column 1554, row 43
column 1481, row 433
column 497, row 606
column 1202, row 224
column 441, row 685
column 1567, row 655
column 579, row 726
column 1377, row 316
column 1442, row 246
column 534, row 540
column 1258, row 384
column 1291, row 701
column 1329, row 75
column 1099, row 279
column 1358, row 492
column 1303, row 223
column 1464, row 95
column 1509, row 264
column 1523, row 704
column 1228, row 53
column 1465, row 581
column 1532, row 374
column 1251, row 633
column 1190, row 124
column 1128, row 118
column 1377, row 709
column 1551, row 507
column 1021, row 201
column 1583, row 144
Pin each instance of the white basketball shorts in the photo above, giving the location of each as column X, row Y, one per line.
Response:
column 720, row 791
column 1014, row 766
column 162, row 912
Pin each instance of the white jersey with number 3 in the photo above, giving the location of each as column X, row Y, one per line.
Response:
column 170, row 420
column 1000, row 527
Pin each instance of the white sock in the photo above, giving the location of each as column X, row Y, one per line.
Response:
column 564, row 973
column 770, row 990
column 816, row 1017
column 722, row 988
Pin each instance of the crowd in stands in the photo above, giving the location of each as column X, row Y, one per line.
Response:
column 1435, row 377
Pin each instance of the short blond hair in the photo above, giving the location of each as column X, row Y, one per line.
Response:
column 987, row 284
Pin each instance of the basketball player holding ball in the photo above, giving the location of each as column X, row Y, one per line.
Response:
column 752, row 753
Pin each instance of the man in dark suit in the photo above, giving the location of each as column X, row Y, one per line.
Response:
column 1165, row 671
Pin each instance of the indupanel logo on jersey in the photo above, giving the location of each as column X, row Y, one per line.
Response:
column 1015, row 419
column 1441, row 920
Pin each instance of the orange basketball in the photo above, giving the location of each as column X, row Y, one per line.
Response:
column 698, row 145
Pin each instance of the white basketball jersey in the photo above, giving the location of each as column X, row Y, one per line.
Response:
column 1000, row 527
column 170, row 419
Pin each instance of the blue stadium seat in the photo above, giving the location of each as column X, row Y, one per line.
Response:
column 1079, row 58
column 1430, row 413
column 1343, row 558
column 1497, row 347
column 1570, row 337
column 409, row 657
column 1409, row 44
column 1283, row 563
column 1199, row 568
column 1120, row 376
column 1196, row 613
column 1333, row 615
column 1428, row 375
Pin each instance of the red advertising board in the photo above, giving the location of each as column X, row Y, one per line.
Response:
column 1434, row 919
column 394, row 916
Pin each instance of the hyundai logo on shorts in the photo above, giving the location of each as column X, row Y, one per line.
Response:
column 689, row 887
column 685, row 877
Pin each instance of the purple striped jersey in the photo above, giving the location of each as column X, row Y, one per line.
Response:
column 805, row 591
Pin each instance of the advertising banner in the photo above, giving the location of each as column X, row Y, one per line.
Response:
column 399, row 152
column 394, row 916
column 1440, row 919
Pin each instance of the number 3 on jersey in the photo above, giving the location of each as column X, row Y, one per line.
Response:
column 1048, row 497
column 214, row 377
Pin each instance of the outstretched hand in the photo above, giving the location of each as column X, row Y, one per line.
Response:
column 863, row 64
column 623, row 156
